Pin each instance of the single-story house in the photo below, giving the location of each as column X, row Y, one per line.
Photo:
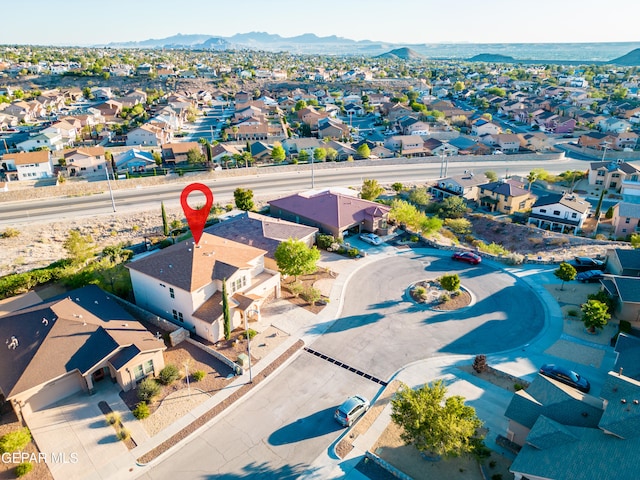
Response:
column 332, row 212
column 62, row 346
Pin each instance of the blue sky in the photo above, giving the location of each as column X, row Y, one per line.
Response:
column 76, row 22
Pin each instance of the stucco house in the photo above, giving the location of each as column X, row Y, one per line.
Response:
column 556, row 450
column 26, row 166
column 261, row 231
column 465, row 186
column 183, row 284
column 611, row 174
column 149, row 135
column 332, row 212
column 506, row 196
column 85, row 162
column 560, row 212
column 59, row 347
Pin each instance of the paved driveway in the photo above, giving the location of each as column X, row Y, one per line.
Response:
column 75, row 438
column 381, row 330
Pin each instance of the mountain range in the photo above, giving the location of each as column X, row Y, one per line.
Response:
column 620, row 53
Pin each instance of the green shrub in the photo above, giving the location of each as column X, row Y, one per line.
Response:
column 23, row 469
column 492, row 464
column 14, row 441
column 459, row 226
column 141, row 411
column 113, row 418
column 169, row 374
column 198, row 375
column 10, row 233
column 325, row 241
column 148, row 389
column 420, row 291
column 311, row 295
column 353, row 252
column 414, row 238
column 444, row 298
column 251, row 333
column 123, row 434
column 518, row 386
column 296, row 289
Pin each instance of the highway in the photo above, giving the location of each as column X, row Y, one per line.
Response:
column 264, row 185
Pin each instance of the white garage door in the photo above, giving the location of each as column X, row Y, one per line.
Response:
column 55, row 391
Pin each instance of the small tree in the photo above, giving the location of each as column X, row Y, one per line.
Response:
column 491, row 175
column 243, row 199
column 303, row 156
column 195, row 156
column 226, row 315
column 371, row 189
column 165, row 222
column 295, row 258
column 320, row 154
column 565, row 272
column 79, row 247
column 594, row 315
column 599, row 205
column 364, row 151
column 278, row 154
column 450, row 283
column 141, row 411
column 452, row 207
column 434, row 424
column 397, row 187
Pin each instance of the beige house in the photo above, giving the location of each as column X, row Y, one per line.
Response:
column 184, row 284
column 506, row 196
column 60, row 347
column 85, row 162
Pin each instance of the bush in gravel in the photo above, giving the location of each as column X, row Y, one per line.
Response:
column 169, row 374
column 123, row 434
column 325, row 241
column 14, row 441
column 23, row 469
column 251, row 333
column 148, row 389
column 113, row 418
column 141, row 411
column 198, row 375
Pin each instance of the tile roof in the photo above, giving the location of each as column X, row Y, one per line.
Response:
column 508, row 188
column 65, row 334
column 189, row 268
column 631, row 210
column 628, row 358
column 629, row 259
column 25, row 158
column 628, row 288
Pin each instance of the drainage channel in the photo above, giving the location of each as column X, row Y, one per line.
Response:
column 346, row 367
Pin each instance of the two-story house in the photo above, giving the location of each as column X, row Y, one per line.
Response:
column 148, row 135
column 610, row 175
column 184, row 283
column 85, row 162
column 482, row 126
column 560, row 212
column 465, row 186
column 26, row 166
column 506, row 196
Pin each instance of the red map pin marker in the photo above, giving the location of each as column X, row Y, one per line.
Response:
column 196, row 218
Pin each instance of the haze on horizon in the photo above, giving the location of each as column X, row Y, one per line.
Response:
column 80, row 23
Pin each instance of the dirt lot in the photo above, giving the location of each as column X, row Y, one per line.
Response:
column 527, row 240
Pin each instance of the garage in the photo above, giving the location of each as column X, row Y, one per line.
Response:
column 54, row 391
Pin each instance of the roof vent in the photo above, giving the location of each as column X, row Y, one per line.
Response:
column 45, row 322
column 635, row 402
column 12, row 343
column 125, row 325
column 623, row 401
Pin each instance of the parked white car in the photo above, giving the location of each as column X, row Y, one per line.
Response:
column 371, row 238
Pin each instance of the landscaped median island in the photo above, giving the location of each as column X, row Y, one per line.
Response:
column 244, row 389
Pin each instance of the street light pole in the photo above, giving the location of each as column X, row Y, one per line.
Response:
column 313, row 180
column 106, row 171
column 246, row 327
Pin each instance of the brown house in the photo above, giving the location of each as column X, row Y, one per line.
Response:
column 64, row 346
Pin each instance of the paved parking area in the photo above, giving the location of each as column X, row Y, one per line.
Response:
column 75, row 438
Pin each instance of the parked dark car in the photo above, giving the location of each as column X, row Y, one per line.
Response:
column 566, row 376
column 582, row 264
column 590, row 276
column 468, row 257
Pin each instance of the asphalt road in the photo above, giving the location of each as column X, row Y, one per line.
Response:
column 381, row 330
column 264, row 185
column 285, row 424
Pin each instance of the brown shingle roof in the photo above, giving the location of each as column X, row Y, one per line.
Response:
column 25, row 158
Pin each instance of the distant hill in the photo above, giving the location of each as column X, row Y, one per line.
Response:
column 403, row 53
column 631, row 59
column 492, row 57
column 175, row 40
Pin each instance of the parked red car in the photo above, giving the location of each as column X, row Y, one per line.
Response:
column 468, row 257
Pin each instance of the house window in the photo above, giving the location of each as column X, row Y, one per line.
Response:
column 175, row 314
column 543, row 210
column 163, row 285
column 180, row 317
column 574, row 215
column 615, row 175
column 613, row 185
column 148, row 367
column 627, row 220
column 556, row 213
column 138, row 373
column 522, row 205
column 172, row 293
column 507, row 208
column 599, row 182
column 601, row 173
column 624, row 230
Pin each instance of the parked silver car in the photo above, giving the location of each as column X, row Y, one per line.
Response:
column 351, row 410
